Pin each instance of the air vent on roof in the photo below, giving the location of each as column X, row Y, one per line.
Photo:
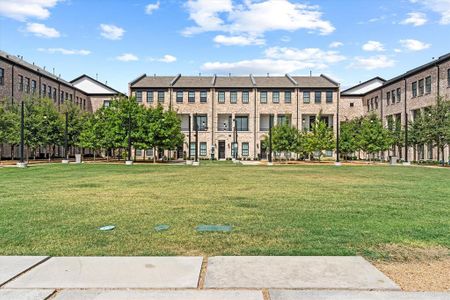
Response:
column 268, row 75
column 229, row 74
column 154, row 75
column 199, row 74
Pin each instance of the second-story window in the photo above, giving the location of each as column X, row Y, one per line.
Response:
column 276, row 97
column 139, row 96
column 27, row 84
column 428, row 85
column 33, row 87
column 2, row 76
column 233, row 97
column 318, row 97
column 263, row 97
column 161, row 96
column 50, row 92
column 421, row 87
column 54, row 95
column 203, row 96
column 245, row 97
column 44, row 90
column 388, row 98
column 376, row 102
column 329, row 97
column 287, row 97
column 448, row 77
column 399, row 94
column 242, row 123
column 179, row 96
column 306, row 97
column 149, row 96
column 221, row 97
column 21, row 83
column 414, row 89
column 191, row 97
column 61, row 97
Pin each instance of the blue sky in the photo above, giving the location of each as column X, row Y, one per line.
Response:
column 348, row 40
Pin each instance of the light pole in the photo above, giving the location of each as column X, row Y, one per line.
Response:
column 196, row 137
column 235, row 144
column 129, row 137
column 22, row 163
column 189, row 145
column 270, row 138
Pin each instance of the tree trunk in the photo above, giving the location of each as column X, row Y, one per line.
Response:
column 154, row 154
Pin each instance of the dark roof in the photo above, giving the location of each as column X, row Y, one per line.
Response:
column 34, row 68
column 193, row 82
column 315, row 82
column 100, row 83
column 273, row 82
column 153, row 82
column 233, row 82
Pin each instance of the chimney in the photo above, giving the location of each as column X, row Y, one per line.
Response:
column 44, row 68
column 310, row 73
column 96, row 76
column 229, row 74
column 106, row 82
column 154, row 75
column 268, row 75
column 200, row 74
column 53, row 71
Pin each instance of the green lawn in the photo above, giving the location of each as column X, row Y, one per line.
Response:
column 279, row 210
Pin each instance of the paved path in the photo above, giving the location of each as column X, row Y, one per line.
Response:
column 190, row 278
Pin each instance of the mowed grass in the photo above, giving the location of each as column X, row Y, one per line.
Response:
column 279, row 210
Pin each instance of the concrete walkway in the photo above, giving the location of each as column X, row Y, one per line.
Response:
column 197, row 278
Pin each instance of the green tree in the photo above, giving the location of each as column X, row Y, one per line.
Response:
column 374, row 137
column 438, row 124
column 416, row 133
column 349, row 138
column 285, row 139
column 320, row 138
column 9, row 126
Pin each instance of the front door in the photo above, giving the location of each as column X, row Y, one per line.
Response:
column 263, row 150
column 221, row 149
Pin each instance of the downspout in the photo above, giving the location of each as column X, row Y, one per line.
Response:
column 406, row 127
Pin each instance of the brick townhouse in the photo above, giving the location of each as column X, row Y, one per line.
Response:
column 20, row 79
column 222, row 103
column 401, row 98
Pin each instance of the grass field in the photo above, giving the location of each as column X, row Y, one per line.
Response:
column 279, row 210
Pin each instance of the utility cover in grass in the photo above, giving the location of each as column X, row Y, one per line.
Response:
column 213, row 228
column 161, row 227
column 107, row 228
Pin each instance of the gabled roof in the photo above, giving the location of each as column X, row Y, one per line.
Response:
column 273, row 82
column 153, row 82
column 321, row 81
column 364, row 87
column 233, row 82
column 193, row 82
column 92, row 86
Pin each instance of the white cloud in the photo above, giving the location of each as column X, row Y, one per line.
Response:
column 150, row 8
column 111, row 32
column 168, row 58
column 41, row 30
column 441, row 7
column 127, row 57
column 252, row 19
column 285, row 39
column 414, row 45
column 65, row 51
column 372, row 63
column 21, row 10
column 373, row 46
column 336, row 44
column 238, row 40
column 415, row 19
column 165, row 59
column 278, row 60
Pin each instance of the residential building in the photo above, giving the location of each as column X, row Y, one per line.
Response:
column 222, row 104
column 401, row 98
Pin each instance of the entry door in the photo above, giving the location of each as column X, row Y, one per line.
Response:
column 221, row 149
column 263, row 150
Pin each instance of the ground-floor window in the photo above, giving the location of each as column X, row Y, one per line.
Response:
column 203, row 149
column 138, row 152
column 234, row 147
column 192, row 149
column 430, row 151
column 245, row 147
column 149, row 152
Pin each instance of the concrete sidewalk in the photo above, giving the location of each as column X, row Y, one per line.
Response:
column 189, row 278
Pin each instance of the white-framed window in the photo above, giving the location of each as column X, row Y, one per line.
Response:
column 221, row 97
column 287, row 97
column 106, row 103
column 149, row 96
column 179, row 96
column 139, row 96
column 263, row 97
column 233, row 97
column 276, row 97
column 421, row 87
column 203, row 147
column 414, row 89
column 203, row 96
column 318, row 97
column 245, row 97
column 138, row 152
column 191, row 96
column 306, row 97
column 245, row 149
column 192, row 149
column 161, row 96
column 329, row 96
